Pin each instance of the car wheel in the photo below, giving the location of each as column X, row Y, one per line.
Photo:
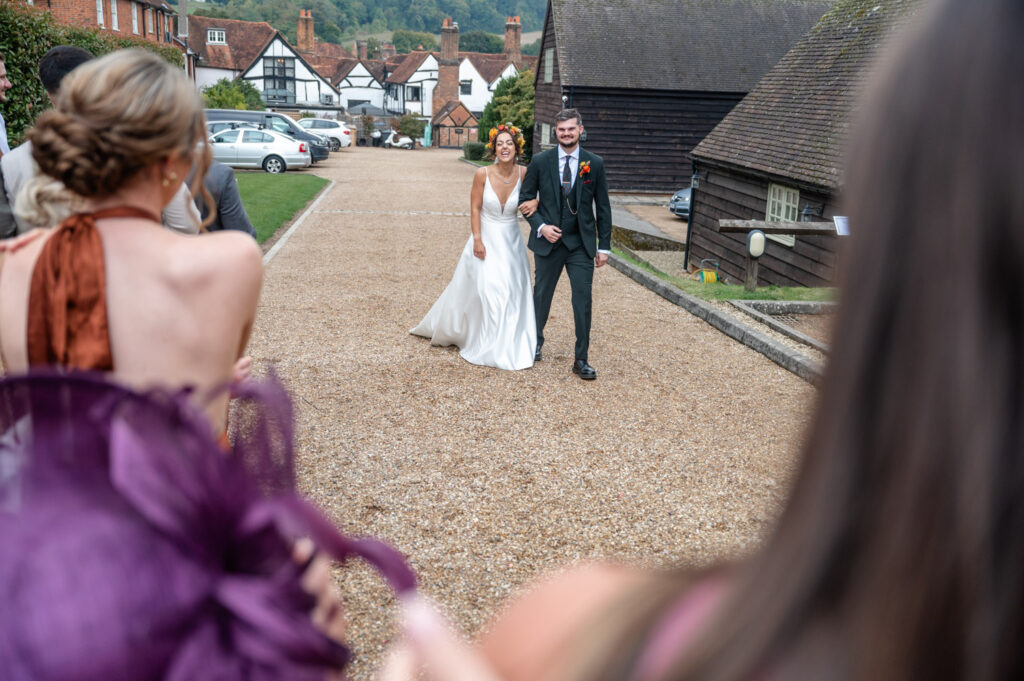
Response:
column 335, row 144
column 274, row 164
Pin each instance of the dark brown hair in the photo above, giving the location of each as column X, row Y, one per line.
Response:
column 901, row 552
column 568, row 114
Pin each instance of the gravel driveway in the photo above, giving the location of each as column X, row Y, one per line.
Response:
column 680, row 452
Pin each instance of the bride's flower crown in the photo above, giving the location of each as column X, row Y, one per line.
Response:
column 506, row 127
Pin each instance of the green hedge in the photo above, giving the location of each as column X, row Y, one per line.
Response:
column 26, row 33
column 474, row 151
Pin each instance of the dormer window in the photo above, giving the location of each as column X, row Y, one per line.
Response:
column 215, row 36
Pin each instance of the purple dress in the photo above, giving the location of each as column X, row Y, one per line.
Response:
column 132, row 547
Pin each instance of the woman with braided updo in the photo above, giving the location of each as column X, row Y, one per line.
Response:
column 110, row 290
column 487, row 308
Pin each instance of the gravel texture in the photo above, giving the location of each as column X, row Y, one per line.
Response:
column 680, row 452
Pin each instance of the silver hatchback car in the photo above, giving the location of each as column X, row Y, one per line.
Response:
column 272, row 151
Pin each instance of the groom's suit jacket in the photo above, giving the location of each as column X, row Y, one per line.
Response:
column 544, row 180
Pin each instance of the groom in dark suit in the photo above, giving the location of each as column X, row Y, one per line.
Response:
column 565, row 232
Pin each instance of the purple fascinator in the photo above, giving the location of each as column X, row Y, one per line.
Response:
column 133, row 547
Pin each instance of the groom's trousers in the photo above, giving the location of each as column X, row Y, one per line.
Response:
column 580, row 268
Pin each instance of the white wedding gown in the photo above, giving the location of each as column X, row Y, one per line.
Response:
column 487, row 309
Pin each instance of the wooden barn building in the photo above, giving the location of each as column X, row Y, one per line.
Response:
column 651, row 79
column 778, row 155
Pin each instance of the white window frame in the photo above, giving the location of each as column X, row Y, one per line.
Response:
column 549, row 64
column 783, row 206
column 545, row 135
column 135, row 17
column 149, row 21
column 216, row 36
column 113, row 16
column 99, row 13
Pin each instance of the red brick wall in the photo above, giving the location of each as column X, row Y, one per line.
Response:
column 83, row 13
column 447, row 136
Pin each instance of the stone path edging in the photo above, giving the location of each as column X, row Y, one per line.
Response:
column 788, row 359
column 750, row 307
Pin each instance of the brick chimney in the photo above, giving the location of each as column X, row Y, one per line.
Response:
column 304, row 32
column 449, row 40
column 361, row 49
column 447, row 66
column 387, row 50
column 513, row 41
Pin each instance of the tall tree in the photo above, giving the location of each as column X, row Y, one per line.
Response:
column 512, row 103
column 481, row 41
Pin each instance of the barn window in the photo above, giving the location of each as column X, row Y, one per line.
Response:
column 215, row 36
column 113, row 15
column 135, row 17
column 412, row 93
column 99, row 12
column 549, row 65
column 782, row 207
column 466, row 87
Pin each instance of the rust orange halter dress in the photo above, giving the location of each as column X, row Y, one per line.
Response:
column 67, row 305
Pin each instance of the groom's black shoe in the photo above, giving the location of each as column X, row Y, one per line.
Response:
column 584, row 370
column 536, row 355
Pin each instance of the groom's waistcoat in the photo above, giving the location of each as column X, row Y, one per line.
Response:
column 569, row 223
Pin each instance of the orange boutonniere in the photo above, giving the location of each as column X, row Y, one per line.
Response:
column 584, row 168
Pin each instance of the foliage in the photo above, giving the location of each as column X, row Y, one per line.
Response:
column 273, row 200
column 473, row 151
column 512, row 103
column 372, row 48
column 411, row 126
column 407, row 41
column 26, row 33
column 211, row 12
column 233, row 94
column 533, row 48
column 366, row 121
column 481, row 41
column 351, row 16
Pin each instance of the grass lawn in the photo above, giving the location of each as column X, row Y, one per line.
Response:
column 272, row 200
column 719, row 291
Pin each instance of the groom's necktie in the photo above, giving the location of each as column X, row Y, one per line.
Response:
column 567, row 177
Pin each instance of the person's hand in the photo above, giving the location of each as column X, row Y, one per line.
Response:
column 478, row 249
column 528, row 208
column 327, row 614
column 551, row 233
column 431, row 644
column 242, row 369
column 16, row 242
column 600, row 259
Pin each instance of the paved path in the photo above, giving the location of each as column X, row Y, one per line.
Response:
column 680, row 452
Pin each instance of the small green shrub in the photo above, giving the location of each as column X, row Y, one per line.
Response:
column 473, row 151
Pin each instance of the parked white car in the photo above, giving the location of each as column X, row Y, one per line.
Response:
column 337, row 133
column 272, row 151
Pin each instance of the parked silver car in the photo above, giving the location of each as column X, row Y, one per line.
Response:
column 272, row 151
column 336, row 132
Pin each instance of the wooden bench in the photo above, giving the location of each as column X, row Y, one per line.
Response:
column 788, row 228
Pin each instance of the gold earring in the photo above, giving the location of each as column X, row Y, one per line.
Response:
column 166, row 182
column 170, row 177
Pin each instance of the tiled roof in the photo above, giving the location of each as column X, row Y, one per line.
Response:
column 322, row 49
column 793, row 124
column 459, row 113
column 408, row 66
column 697, row 45
column 489, row 66
column 244, row 41
column 376, row 68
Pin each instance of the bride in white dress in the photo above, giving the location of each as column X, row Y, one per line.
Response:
column 487, row 309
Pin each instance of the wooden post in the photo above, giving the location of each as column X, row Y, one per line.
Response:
column 750, row 275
